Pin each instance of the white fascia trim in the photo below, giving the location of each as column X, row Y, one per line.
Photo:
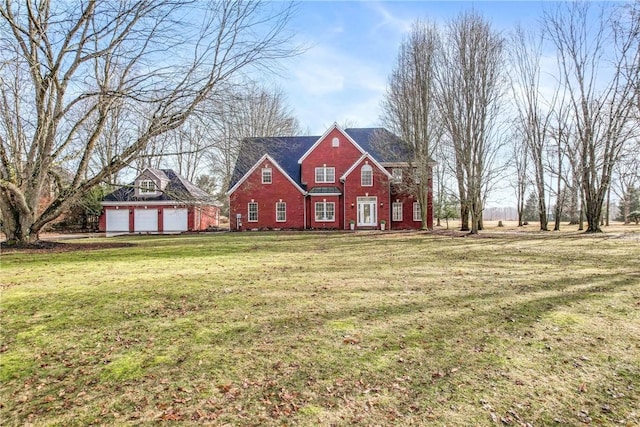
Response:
column 180, row 203
column 255, row 166
column 335, row 126
column 355, row 165
column 395, row 164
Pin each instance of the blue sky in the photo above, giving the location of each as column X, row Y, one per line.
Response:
column 352, row 48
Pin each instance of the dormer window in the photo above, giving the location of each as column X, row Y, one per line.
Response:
column 147, row 187
column 267, row 175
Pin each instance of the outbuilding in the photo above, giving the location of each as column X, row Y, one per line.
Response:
column 159, row 201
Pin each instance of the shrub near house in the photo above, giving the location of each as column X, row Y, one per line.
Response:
column 324, row 182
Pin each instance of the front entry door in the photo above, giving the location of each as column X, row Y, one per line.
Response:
column 367, row 211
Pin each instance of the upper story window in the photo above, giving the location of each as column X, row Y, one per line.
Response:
column 335, row 142
column 366, row 176
column 325, row 175
column 416, row 176
column 396, row 175
column 267, row 175
column 147, row 186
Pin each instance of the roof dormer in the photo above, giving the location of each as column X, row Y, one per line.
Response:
column 150, row 183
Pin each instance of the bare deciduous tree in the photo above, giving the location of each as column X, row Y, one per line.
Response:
column 470, row 83
column 410, row 109
column 247, row 112
column 599, row 53
column 73, row 64
column 519, row 162
column 533, row 115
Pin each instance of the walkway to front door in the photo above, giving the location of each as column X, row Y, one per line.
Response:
column 367, row 211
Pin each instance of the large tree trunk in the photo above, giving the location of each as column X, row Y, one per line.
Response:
column 558, row 214
column 464, row 217
column 574, row 217
column 542, row 213
column 18, row 214
column 17, row 227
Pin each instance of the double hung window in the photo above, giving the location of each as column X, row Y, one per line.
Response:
column 397, row 211
column 267, row 175
column 252, row 214
column 147, row 187
column 416, row 212
column 325, row 175
column 325, row 211
column 281, row 212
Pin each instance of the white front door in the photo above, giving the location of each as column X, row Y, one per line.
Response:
column 367, row 211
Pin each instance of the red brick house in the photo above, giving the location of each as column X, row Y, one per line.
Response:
column 344, row 177
column 159, row 201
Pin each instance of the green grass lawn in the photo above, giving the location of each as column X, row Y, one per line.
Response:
column 325, row 329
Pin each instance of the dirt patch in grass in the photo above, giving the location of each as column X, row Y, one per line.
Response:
column 44, row 246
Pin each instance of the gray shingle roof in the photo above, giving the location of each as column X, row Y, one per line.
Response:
column 286, row 151
column 178, row 189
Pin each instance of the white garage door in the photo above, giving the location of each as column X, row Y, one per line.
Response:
column 145, row 220
column 175, row 220
column 117, row 221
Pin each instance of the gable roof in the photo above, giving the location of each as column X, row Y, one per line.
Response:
column 257, row 164
column 359, row 161
column 321, row 138
column 382, row 145
column 158, row 173
column 285, row 151
column 178, row 189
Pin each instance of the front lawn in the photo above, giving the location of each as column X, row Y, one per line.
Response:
column 324, row 329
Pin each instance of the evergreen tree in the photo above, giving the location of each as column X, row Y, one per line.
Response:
column 531, row 208
column 633, row 196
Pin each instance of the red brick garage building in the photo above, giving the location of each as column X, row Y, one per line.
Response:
column 159, row 201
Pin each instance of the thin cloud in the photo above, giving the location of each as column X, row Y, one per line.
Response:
column 389, row 20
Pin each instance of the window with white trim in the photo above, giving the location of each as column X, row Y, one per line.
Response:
column 397, row 211
column 396, row 175
column 416, row 176
column 325, row 211
column 416, row 212
column 252, row 212
column 267, row 175
column 325, row 175
column 335, row 142
column 147, row 186
column 366, row 176
column 281, row 211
